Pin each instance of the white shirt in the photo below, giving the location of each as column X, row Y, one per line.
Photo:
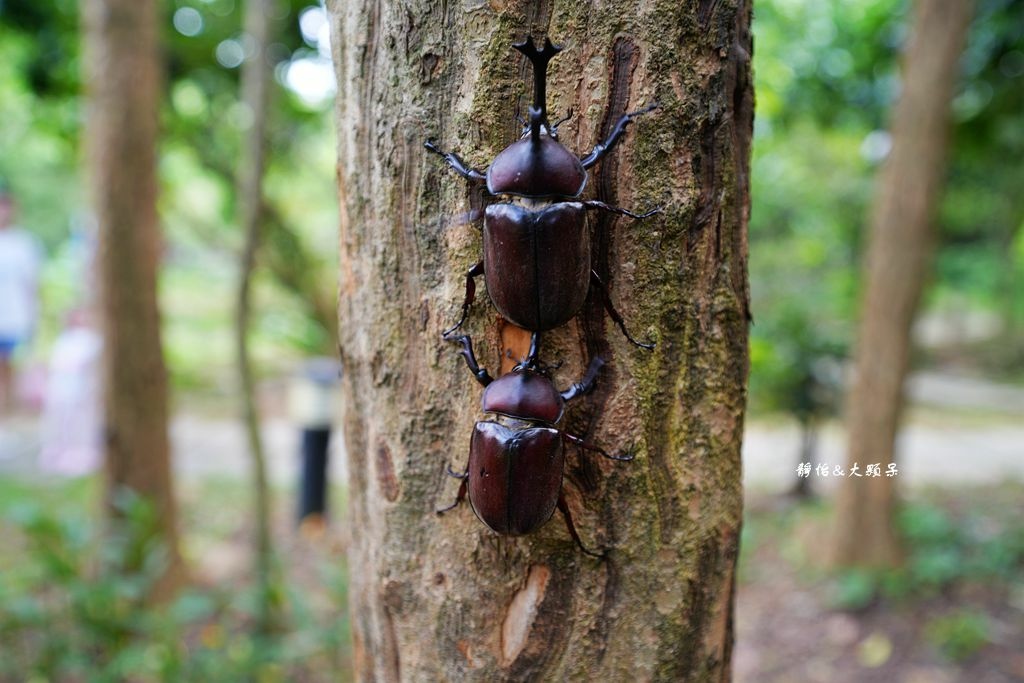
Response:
column 20, row 261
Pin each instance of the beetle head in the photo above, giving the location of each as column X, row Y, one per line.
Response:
column 537, row 165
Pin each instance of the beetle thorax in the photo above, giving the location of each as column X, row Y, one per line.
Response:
column 524, row 395
column 540, row 167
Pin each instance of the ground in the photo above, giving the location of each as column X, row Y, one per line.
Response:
column 954, row 613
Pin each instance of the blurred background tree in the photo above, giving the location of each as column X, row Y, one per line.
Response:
column 897, row 260
column 260, row 28
column 202, row 124
column 124, row 74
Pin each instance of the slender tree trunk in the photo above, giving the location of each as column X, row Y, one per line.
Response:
column 898, row 254
column 444, row 599
column 123, row 77
column 808, row 454
column 255, row 96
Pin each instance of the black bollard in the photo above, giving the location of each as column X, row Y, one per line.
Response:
column 313, row 477
column 313, row 407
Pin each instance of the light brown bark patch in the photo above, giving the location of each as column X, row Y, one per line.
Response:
column 466, row 648
column 515, row 345
column 386, row 473
column 515, row 630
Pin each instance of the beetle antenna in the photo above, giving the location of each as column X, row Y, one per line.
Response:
column 519, row 113
column 562, row 120
column 539, row 59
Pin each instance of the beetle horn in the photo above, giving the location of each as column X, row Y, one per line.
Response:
column 539, row 59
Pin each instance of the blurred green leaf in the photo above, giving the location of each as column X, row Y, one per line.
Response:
column 854, row 589
column 960, row 635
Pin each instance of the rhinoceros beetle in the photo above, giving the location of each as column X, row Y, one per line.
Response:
column 514, row 474
column 536, row 261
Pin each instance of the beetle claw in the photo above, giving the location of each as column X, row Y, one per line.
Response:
column 625, row 457
column 648, row 345
column 456, row 475
column 458, row 499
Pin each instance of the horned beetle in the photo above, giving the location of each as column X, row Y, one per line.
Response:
column 537, row 262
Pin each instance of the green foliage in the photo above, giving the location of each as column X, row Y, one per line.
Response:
column 960, row 635
column 826, row 76
column 854, row 589
column 73, row 606
column 810, row 187
column 943, row 551
column 978, row 546
column 38, row 152
column 202, row 125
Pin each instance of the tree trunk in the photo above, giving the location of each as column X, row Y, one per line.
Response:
column 808, row 454
column 123, row 77
column 442, row 598
column 255, row 95
column 898, row 253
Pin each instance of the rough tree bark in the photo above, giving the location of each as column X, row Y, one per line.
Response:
column 123, row 90
column 898, row 253
column 443, row 598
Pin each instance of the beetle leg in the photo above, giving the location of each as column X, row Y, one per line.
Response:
column 602, row 148
column 471, row 276
column 531, row 355
column 457, row 164
column 480, row 373
column 594, row 204
column 591, row 447
column 458, row 498
column 564, row 508
column 586, row 383
column 456, row 475
column 614, row 314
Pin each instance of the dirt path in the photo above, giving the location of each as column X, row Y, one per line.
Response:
column 929, row 452
column 976, row 436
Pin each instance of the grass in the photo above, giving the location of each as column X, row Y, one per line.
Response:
column 66, row 614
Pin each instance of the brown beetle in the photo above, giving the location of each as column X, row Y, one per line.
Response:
column 537, row 262
column 514, row 475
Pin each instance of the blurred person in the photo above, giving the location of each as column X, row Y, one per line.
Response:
column 20, row 262
column 71, row 435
